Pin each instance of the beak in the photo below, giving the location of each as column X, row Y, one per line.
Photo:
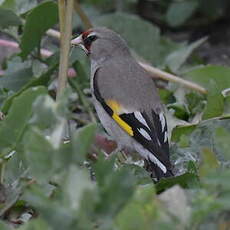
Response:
column 78, row 41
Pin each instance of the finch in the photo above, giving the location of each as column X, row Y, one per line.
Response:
column 126, row 99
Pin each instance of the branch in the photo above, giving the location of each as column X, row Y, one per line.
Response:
column 65, row 18
column 154, row 72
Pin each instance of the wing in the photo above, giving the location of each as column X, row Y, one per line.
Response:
column 149, row 130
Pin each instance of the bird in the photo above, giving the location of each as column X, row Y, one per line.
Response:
column 126, row 99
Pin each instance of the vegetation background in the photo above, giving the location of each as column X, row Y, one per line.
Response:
column 54, row 173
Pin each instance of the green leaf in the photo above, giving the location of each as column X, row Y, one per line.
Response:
column 42, row 80
column 191, row 167
column 35, row 224
column 209, row 163
column 17, row 74
column 177, row 58
column 39, row 155
column 3, row 226
column 202, row 76
column 12, row 127
column 141, row 175
column 215, row 101
column 140, row 212
column 54, row 211
column 178, row 131
column 222, row 138
column 185, row 181
column 75, row 184
column 179, row 12
column 8, row 18
column 114, row 187
column 180, row 111
column 19, row 7
column 40, row 19
column 81, row 142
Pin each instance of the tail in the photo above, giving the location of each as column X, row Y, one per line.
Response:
column 155, row 172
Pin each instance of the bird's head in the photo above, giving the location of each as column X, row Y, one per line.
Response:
column 101, row 42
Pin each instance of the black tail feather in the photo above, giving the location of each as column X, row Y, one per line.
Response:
column 155, row 172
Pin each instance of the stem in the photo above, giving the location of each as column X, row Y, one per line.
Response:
column 154, row 72
column 53, row 33
column 65, row 17
column 84, row 18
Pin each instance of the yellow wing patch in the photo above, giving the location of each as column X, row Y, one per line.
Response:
column 117, row 108
column 123, row 124
column 114, row 106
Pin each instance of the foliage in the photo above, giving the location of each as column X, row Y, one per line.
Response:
column 51, row 183
column 178, row 13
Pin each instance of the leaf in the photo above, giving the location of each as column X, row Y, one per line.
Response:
column 12, row 193
column 12, row 127
column 180, row 111
column 16, row 75
column 141, row 175
column 203, row 75
column 115, row 187
column 42, row 80
column 40, row 19
column 35, row 224
column 178, row 131
column 185, row 181
column 81, row 142
column 209, row 163
column 179, row 12
column 140, row 212
column 8, row 18
column 39, row 155
column 54, row 211
column 75, row 184
column 19, row 7
column 177, row 58
column 215, row 102
column 50, row 117
column 3, row 226
column 222, row 138
column 15, row 170
column 191, row 167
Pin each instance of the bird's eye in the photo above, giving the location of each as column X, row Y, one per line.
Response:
column 88, row 41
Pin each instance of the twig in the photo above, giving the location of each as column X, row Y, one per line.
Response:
column 53, row 33
column 154, row 72
column 65, row 17
column 85, row 20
